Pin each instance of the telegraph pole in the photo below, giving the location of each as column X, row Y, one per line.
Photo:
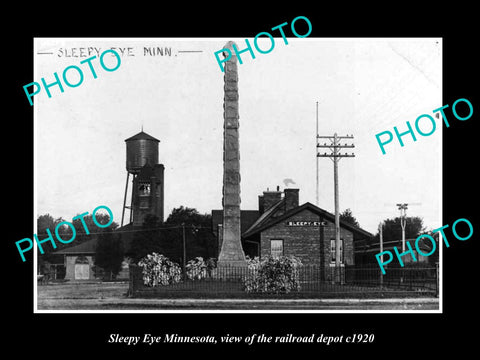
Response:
column 403, row 220
column 335, row 146
column 316, row 158
column 380, row 231
column 184, row 261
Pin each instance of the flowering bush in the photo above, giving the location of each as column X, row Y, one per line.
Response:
column 158, row 270
column 254, row 263
column 196, row 269
column 273, row 275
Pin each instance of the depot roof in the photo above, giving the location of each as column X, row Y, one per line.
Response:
column 266, row 220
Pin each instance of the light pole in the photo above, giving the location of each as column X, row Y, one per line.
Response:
column 403, row 221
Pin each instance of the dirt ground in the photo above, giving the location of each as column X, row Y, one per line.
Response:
column 113, row 297
column 78, row 290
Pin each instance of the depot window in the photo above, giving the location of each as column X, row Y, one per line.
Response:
column 333, row 251
column 276, row 248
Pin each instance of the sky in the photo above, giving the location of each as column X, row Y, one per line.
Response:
column 362, row 86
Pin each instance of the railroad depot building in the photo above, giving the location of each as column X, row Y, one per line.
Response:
column 281, row 226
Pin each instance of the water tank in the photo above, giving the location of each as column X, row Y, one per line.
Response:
column 141, row 148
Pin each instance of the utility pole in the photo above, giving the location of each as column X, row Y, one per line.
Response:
column 335, row 146
column 184, row 251
column 380, row 231
column 403, row 220
column 316, row 158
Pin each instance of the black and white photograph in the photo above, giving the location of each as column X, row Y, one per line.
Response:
column 214, row 180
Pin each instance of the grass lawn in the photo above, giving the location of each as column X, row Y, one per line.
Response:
column 100, row 290
column 113, row 296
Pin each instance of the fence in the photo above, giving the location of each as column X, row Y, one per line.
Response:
column 51, row 272
column 312, row 282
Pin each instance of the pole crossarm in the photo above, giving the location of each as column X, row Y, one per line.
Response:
column 338, row 137
column 336, row 155
column 337, row 146
column 403, row 219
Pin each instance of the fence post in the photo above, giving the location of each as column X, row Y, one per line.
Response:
column 131, row 282
column 437, row 289
column 381, row 278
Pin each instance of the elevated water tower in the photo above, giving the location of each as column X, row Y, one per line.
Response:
column 147, row 195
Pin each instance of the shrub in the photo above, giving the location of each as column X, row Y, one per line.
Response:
column 196, row 269
column 254, row 263
column 157, row 270
column 211, row 263
column 273, row 275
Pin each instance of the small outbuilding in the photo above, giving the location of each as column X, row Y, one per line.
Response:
column 79, row 261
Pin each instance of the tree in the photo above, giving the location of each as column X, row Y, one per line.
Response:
column 81, row 233
column 199, row 238
column 65, row 231
column 147, row 239
column 348, row 217
column 188, row 216
column 45, row 222
column 167, row 238
column 109, row 253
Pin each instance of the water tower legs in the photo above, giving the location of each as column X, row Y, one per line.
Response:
column 125, row 199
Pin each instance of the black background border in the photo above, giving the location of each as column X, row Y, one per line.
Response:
column 403, row 334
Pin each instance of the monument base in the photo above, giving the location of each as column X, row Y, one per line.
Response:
column 231, row 269
column 231, row 263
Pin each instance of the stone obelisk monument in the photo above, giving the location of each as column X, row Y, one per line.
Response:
column 231, row 253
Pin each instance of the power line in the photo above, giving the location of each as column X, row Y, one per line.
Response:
column 194, row 227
